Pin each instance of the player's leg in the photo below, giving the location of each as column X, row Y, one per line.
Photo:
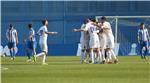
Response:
column 10, row 49
column 27, row 49
column 109, row 58
column 114, row 56
column 34, row 50
column 45, row 50
column 146, row 49
column 112, row 45
column 99, row 55
column 28, row 54
column 42, row 48
column 88, row 57
column 141, row 49
column 43, row 53
column 92, row 55
column 13, row 45
column 82, row 56
column 103, row 55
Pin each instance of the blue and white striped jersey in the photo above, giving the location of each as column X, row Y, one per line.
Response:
column 32, row 34
column 11, row 35
column 143, row 35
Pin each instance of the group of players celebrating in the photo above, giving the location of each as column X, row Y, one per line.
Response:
column 30, row 41
column 97, row 42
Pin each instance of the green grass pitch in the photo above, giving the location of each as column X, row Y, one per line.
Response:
column 67, row 69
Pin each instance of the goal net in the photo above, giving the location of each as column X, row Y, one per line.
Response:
column 125, row 31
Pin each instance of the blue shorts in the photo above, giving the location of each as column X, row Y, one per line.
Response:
column 11, row 45
column 31, row 44
column 144, row 43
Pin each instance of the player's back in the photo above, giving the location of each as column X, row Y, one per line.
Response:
column 92, row 30
column 84, row 35
column 32, row 33
column 11, row 35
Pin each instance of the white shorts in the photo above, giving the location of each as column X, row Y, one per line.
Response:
column 110, row 42
column 43, row 46
column 85, row 44
column 94, row 43
column 102, row 40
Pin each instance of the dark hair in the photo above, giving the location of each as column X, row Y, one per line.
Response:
column 10, row 25
column 103, row 18
column 44, row 21
column 142, row 24
column 85, row 21
column 30, row 25
column 93, row 20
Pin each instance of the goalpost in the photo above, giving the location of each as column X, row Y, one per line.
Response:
column 125, row 29
column 115, row 19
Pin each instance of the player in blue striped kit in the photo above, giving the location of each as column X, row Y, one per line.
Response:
column 12, row 38
column 143, row 39
column 31, row 43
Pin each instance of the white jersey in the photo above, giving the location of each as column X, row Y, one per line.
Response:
column 102, row 38
column 109, row 35
column 93, row 32
column 11, row 35
column 84, row 35
column 42, row 32
column 143, row 34
column 108, row 26
column 32, row 33
column 84, row 40
column 43, row 38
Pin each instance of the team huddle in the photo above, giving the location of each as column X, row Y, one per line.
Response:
column 97, row 42
column 30, row 41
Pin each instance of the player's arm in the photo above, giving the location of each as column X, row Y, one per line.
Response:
column 30, row 35
column 97, row 31
column 51, row 33
column 79, row 30
column 16, row 37
column 38, row 33
column 7, row 35
column 138, row 36
column 148, row 36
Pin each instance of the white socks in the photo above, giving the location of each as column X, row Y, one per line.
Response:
column 40, row 54
column 43, row 56
column 93, row 56
column 82, row 57
column 43, row 59
column 100, row 57
column 103, row 55
column 113, row 54
column 109, row 56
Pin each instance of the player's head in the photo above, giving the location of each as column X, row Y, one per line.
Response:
column 10, row 26
column 45, row 22
column 103, row 19
column 99, row 20
column 142, row 25
column 92, row 20
column 85, row 21
column 29, row 26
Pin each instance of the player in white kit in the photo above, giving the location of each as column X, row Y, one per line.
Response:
column 43, row 33
column 102, row 39
column 109, row 40
column 94, row 40
column 84, row 41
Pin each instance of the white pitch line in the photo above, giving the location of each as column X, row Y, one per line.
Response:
column 4, row 68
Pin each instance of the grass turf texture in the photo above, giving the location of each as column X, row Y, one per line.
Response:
column 66, row 69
